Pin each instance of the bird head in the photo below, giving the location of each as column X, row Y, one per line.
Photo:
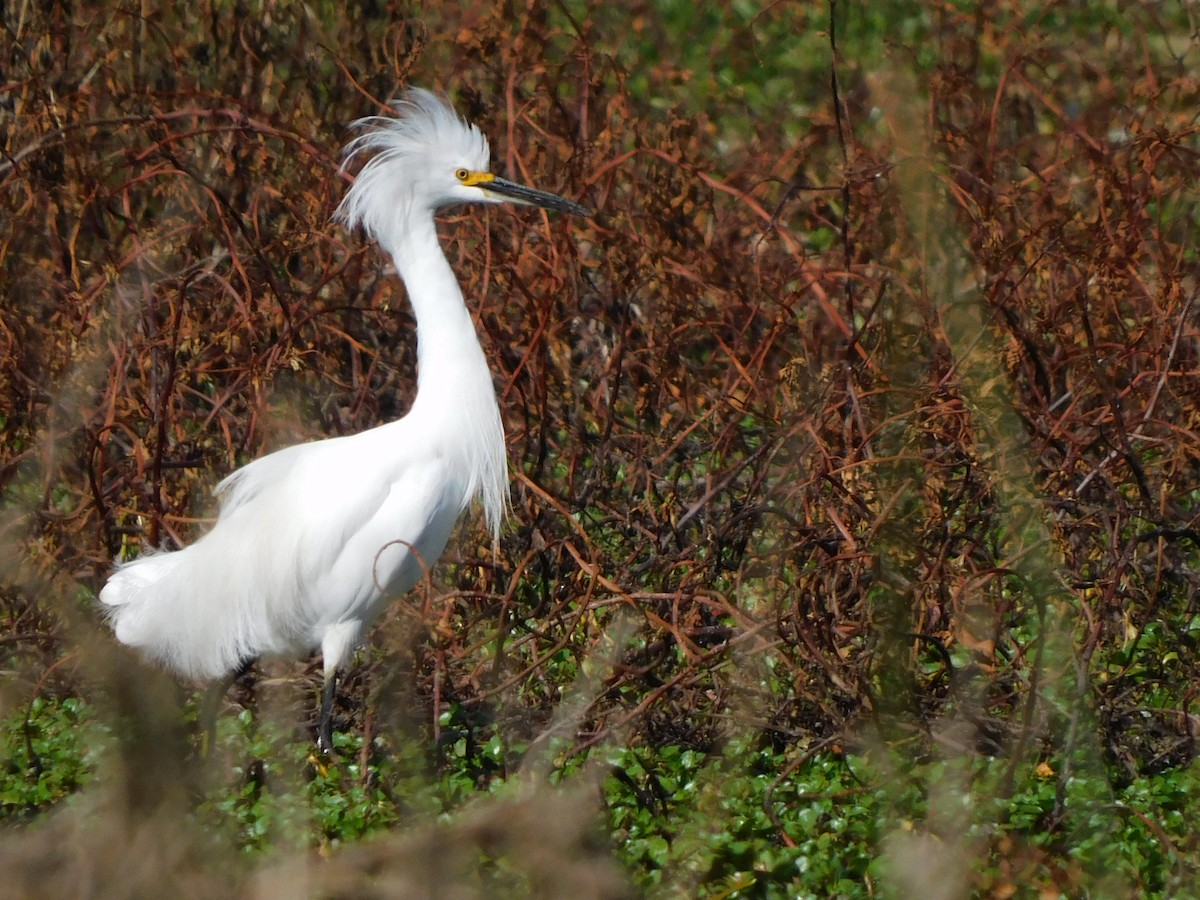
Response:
column 426, row 158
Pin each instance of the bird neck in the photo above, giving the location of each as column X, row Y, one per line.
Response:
column 454, row 384
column 448, row 348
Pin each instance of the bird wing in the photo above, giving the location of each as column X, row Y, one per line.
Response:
column 306, row 537
column 392, row 548
column 244, row 484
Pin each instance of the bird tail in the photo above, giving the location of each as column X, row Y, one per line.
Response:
column 163, row 604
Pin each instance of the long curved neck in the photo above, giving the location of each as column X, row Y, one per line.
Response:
column 454, row 384
column 448, row 349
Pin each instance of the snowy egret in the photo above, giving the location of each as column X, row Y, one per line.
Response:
column 310, row 541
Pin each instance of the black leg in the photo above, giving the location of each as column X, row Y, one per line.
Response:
column 210, row 705
column 325, row 728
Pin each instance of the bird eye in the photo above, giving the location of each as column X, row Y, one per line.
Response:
column 461, row 174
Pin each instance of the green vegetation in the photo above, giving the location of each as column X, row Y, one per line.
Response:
column 746, row 821
column 50, row 751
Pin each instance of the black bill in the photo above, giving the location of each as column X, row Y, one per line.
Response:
column 518, row 193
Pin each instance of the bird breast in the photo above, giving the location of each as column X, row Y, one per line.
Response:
column 388, row 510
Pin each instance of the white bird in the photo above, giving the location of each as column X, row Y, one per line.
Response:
column 312, row 540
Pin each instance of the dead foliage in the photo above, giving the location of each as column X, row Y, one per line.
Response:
column 854, row 423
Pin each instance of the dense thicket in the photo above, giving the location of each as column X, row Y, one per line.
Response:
column 868, row 401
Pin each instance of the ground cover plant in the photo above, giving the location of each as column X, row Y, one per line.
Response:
column 854, row 449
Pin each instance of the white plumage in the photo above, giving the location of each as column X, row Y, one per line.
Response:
column 311, row 540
